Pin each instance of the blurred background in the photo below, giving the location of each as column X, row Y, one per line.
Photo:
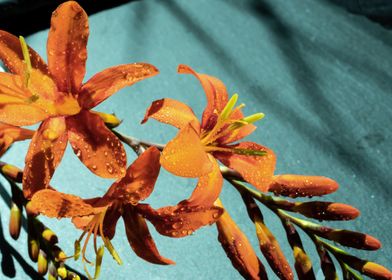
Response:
column 319, row 70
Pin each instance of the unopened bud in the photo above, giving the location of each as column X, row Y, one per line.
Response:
column 110, row 120
column 48, row 235
column 326, row 210
column 376, row 271
column 12, row 172
column 98, row 261
column 73, row 276
column 299, row 186
column 42, row 263
column 33, row 248
column 58, row 254
column 62, row 272
column 351, row 239
column 15, row 221
column 52, row 271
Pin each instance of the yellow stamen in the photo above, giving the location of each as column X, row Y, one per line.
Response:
column 229, row 107
column 253, row 118
column 27, row 61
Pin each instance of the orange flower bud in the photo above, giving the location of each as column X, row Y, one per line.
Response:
column 62, row 272
column 298, row 185
column 376, row 271
column 15, row 223
column 326, row 210
column 33, row 248
column 352, row 239
column 58, row 254
column 12, row 172
column 238, row 248
column 42, row 263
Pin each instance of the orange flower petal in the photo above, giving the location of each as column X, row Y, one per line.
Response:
column 208, row 187
column 9, row 134
column 54, row 204
column 216, row 94
column 215, row 91
column 96, row 146
column 185, row 156
column 110, row 222
column 237, row 134
column 15, row 105
column 256, row 170
column 66, row 46
column 171, row 112
column 12, row 56
column 44, row 155
column 139, row 181
column 299, row 185
column 238, row 248
column 111, row 80
column 180, row 220
column 140, row 239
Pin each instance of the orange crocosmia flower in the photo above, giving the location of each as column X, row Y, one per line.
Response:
column 99, row 216
column 10, row 134
column 193, row 152
column 54, row 94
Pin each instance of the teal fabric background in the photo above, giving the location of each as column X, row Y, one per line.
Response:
column 321, row 76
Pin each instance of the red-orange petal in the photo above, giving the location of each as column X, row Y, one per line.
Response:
column 237, row 134
column 54, row 204
column 238, row 248
column 299, row 185
column 9, row 134
column 111, row 80
column 180, row 220
column 12, row 56
column 96, row 146
column 66, row 48
column 185, row 156
column 256, row 170
column 171, row 112
column 140, row 239
column 208, row 187
column 216, row 94
column 44, row 155
column 139, row 180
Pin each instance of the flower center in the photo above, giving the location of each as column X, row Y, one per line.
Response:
column 226, row 126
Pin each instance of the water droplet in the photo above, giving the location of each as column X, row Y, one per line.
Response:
column 78, row 153
column 94, row 167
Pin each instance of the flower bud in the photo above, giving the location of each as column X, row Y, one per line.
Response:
column 33, row 248
column 62, row 272
column 15, row 223
column 376, row 271
column 42, row 263
column 110, row 120
column 52, row 271
column 352, row 239
column 238, row 248
column 58, row 254
column 12, row 172
column 48, row 235
column 73, row 276
column 299, row 186
column 326, row 210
